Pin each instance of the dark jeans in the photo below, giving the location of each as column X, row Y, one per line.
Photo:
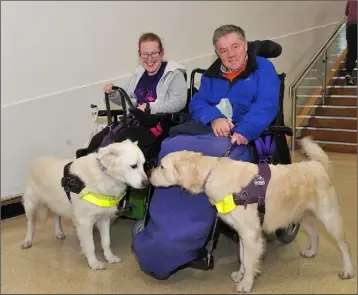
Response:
column 351, row 36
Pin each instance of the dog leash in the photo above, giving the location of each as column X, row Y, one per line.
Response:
column 230, row 147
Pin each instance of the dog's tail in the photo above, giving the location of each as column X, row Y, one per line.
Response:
column 314, row 152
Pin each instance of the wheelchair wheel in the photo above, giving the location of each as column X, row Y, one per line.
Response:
column 137, row 227
column 287, row 235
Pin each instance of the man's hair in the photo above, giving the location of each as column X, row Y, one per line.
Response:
column 225, row 30
column 150, row 37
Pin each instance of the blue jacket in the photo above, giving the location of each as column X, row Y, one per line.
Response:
column 254, row 96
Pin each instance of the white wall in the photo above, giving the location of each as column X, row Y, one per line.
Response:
column 56, row 56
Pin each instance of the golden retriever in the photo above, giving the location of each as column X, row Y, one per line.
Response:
column 295, row 193
column 107, row 172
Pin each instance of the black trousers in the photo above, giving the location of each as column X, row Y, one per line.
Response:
column 351, row 36
column 141, row 134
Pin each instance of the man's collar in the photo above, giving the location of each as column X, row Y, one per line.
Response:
column 215, row 69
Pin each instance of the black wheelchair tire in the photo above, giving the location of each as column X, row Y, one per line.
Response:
column 137, row 227
column 287, row 235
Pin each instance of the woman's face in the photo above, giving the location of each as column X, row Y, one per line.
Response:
column 151, row 56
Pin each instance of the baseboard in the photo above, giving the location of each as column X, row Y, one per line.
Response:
column 12, row 210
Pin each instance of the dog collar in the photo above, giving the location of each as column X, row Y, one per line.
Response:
column 101, row 200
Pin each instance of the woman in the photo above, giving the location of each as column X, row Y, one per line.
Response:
column 155, row 81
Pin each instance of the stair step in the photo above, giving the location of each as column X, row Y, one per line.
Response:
column 342, row 90
column 341, row 81
column 345, row 112
column 331, row 110
column 341, row 100
column 333, row 148
column 331, row 122
column 336, row 135
column 336, row 147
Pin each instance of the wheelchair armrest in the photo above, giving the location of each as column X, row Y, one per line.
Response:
column 103, row 113
column 278, row 129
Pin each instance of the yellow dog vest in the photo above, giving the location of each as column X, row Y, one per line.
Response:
column 101, row 200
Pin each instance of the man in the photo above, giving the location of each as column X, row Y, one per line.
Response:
column 244, row 85
column 238, row 95
column 351, row 36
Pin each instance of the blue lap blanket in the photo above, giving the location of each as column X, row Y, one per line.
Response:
column 179, row 222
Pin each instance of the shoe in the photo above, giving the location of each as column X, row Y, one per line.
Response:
column 349, row 80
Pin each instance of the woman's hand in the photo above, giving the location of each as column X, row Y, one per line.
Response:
column 222, row 127
column 141, row 107
column 108, row 88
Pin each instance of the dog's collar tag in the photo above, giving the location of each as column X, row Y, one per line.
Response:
column 101, row 200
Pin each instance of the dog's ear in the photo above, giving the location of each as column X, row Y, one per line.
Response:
column 136, row 142
column 189, row 176
column 106, row 156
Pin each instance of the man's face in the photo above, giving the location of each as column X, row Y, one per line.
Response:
column 232, row 51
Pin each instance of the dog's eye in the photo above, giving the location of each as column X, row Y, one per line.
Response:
column 135, row 166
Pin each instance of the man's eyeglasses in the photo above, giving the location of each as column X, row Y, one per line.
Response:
column 153, row 55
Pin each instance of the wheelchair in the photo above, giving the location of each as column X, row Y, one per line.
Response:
column 271, row 147
column 135, row 204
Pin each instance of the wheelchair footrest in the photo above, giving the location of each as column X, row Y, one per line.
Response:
column 204, row 261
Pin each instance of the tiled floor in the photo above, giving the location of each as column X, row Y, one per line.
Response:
column 52, row 266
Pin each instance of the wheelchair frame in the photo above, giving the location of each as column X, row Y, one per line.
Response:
column 205, row 258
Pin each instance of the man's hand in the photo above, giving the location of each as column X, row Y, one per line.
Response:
column 222, row 127
column 141, row 107
column 239, row 139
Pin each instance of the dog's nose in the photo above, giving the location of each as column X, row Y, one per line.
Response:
column 145, row 182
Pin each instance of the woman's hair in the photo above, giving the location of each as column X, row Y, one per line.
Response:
column 150, row 37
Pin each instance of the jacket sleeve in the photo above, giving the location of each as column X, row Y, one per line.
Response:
column 177, row 93
column 199, row 108
column 265, row 107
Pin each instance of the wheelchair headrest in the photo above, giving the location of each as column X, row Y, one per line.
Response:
column 265, row 48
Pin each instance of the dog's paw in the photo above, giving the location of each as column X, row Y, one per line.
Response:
column 26, row 245
column 308, row 253
column 113, row 259
column 97, row 265
column 60, row 236
column 244, row 286
column 237, row 276
column 346, row 274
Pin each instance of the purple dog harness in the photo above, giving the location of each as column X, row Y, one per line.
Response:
column 255, row 191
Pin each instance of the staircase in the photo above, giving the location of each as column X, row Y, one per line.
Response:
column 324, row 107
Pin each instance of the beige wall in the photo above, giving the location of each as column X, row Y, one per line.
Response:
column 56, row 56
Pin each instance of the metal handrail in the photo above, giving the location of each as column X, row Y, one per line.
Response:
column 306, row 70
column 325, row 45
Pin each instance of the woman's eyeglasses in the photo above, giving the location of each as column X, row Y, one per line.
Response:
column 153, row 55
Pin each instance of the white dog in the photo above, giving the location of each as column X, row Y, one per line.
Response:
column 295, row 193
column 105, row 176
